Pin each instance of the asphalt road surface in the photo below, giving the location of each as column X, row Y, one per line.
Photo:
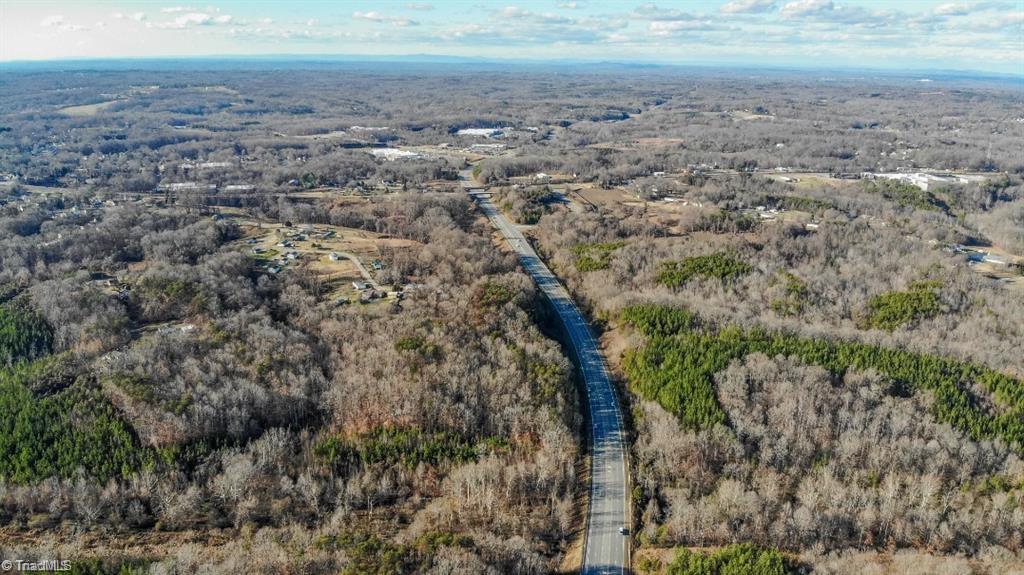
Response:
column 606, row 549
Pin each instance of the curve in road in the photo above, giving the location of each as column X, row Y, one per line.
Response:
column 606, row 549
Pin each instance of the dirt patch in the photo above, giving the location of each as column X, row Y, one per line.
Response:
column 600, row 197
column 88, row 109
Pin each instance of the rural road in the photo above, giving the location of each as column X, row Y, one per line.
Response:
column 606, row 550
column 362, row 269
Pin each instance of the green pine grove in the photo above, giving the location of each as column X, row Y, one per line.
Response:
column 24, row 334
column 57, row 435
column 736, row 559
column 676, row 368
column 391, row 445
column 51, row 427
column 723, row 265
column 594, row 256
column 891, row 310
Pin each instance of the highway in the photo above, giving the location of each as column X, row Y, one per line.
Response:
column 606, row 549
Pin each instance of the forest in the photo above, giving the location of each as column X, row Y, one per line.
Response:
column 202, row 394
column 820, row 366
column 846, row 394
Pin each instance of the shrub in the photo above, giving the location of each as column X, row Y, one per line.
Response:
column 722, row 265
column 491, row 294
column 906, row 195
column 593, row 257
column 891, row 310
column 736, row 559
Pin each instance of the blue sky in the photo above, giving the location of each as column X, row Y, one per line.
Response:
column 984, row 35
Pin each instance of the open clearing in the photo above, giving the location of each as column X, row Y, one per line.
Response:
column 311, row 249
column 88, row 109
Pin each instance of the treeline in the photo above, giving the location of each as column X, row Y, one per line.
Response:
column 676, row 368
column 739, row 558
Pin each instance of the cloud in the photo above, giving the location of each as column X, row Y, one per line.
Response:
column 303, row 35
column 57, row 22
column 830, row 11
column 176, row 9
column 379, row 18
column 517, row 26
column 137, row 16
column 965, row 8
column 1006, row 21
column 517, row 13
column 418, row 6
column 569, row 5
column 650, row 11
column 807, row 8
column 192, row 20
column 953, row 9
column 747, row 6
column 673, row 27
column 466, row 31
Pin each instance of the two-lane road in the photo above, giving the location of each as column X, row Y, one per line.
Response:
column 606, row 549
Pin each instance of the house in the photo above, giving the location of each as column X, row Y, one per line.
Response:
column 185, row 187
column 360, row 286
column 334, row 256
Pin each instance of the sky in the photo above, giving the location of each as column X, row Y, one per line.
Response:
column 979, row 36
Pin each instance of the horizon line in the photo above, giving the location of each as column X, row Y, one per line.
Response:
column 426, row 58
